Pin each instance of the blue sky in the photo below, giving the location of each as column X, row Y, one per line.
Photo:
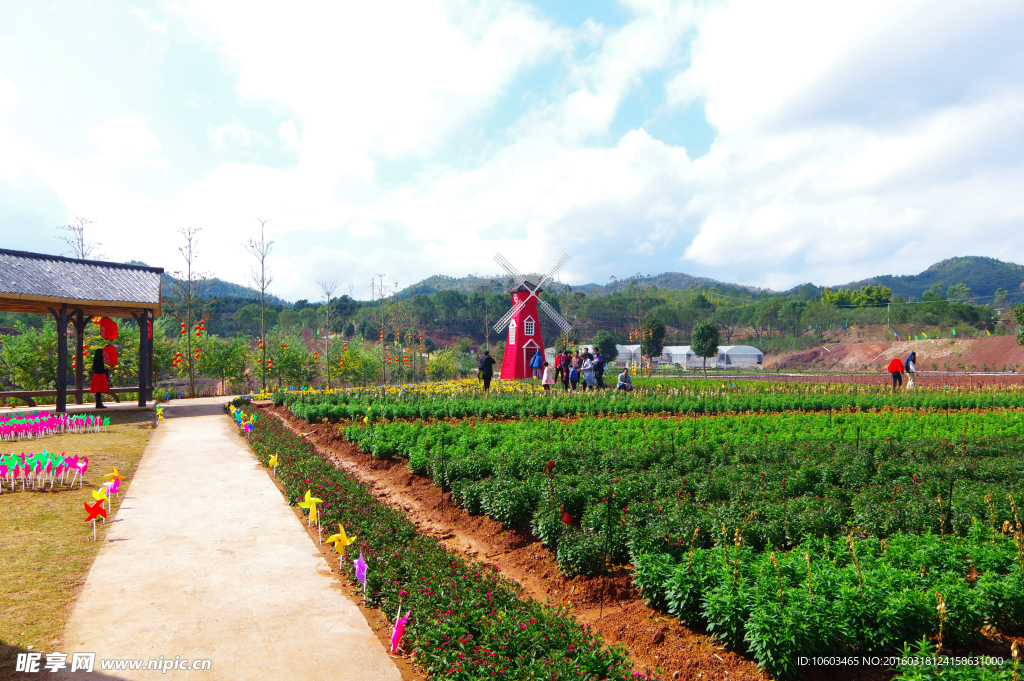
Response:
column 762, row 143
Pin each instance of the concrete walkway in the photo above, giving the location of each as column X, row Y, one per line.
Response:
column 205, row 560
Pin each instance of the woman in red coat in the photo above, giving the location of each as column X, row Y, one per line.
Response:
column 896, row 369
column 99, row 383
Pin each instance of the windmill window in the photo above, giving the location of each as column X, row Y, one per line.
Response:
column 528, row 327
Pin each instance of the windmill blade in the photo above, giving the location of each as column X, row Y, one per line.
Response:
column 503, row 322
column 553, row 271
column 500, row 259
column 555, row 317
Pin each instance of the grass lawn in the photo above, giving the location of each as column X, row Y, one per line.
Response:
column 46, row 550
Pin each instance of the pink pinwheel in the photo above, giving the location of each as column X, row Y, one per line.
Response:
column 361, row 569
column 113, row 486
column 398, row 631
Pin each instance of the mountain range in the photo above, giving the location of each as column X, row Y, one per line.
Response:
column 981, row 274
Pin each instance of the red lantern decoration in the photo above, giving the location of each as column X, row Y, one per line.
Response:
column 110, row 356
column 150, row 324
column 108, row 329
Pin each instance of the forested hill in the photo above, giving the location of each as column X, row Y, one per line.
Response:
column 220, row 288
column 982, row 275
column 676, row 281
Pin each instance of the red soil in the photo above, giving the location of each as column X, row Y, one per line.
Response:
column 998, row 353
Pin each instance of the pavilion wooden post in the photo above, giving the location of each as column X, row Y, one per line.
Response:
column 62, row 358
column 143, row 320
column 78, row 319
column 149, row 345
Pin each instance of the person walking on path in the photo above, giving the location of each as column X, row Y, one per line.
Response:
column 487, row 369
column 574, row 377
column 910, row 366
column 99, row 383
column 547, row 380
column 535, row 363
column 559, row 360
column 896, row 369
column 565, row 370
column 588, row 374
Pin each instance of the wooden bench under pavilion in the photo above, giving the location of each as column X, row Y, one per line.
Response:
column 74, row 291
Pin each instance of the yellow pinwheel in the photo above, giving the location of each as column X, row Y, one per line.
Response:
column 273, row 460
column 100, row 494
column 113, row 475
column 340, row 540
column 310, row 502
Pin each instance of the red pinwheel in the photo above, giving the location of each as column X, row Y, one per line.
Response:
column 95, row 511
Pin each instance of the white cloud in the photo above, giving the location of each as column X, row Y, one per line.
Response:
column 125, row 142
column 232, row 134
column 850, row 141
column 9, row 95
column 289, row 135
column 148, row 21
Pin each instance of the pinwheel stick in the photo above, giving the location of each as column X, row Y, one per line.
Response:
column 94, row 529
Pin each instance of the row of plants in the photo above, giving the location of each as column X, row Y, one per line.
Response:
column 467, row 622
column 592, row 488
column 833, row 597
column 695, row 398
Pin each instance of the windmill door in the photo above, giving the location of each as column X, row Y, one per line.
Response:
column 530, row 348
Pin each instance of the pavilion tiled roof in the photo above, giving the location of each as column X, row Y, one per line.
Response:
column 54, row 276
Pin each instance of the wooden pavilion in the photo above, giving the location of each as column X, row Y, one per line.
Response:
column 73, row 291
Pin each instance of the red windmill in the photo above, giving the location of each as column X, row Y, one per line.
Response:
column 523, row 321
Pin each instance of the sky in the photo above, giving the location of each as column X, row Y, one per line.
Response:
column 763, row 143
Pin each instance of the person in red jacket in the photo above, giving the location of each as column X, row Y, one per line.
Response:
column 896, row 369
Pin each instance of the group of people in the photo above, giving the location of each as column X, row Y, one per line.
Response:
column 570, row 368
column 573, row 367
column 908, row 366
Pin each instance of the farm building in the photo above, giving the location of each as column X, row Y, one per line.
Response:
column 729, row 357
column 740, row 357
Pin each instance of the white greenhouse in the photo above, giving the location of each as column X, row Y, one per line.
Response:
column 729, row 357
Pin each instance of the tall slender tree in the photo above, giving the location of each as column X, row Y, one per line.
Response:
column 328, row 288
column 188, row 307
column 261, row 278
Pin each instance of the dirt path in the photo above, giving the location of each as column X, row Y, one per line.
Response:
column 205, row 560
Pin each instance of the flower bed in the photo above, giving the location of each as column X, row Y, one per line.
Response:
column 523, row 400
column 467, row 622
column 837, row 597
column 666, row 480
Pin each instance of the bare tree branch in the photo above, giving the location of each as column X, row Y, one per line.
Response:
column 261, row 278
column 188, row 307
column 80, row 248
column 328, row 288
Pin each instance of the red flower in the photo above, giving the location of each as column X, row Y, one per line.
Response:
column 566, row 518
